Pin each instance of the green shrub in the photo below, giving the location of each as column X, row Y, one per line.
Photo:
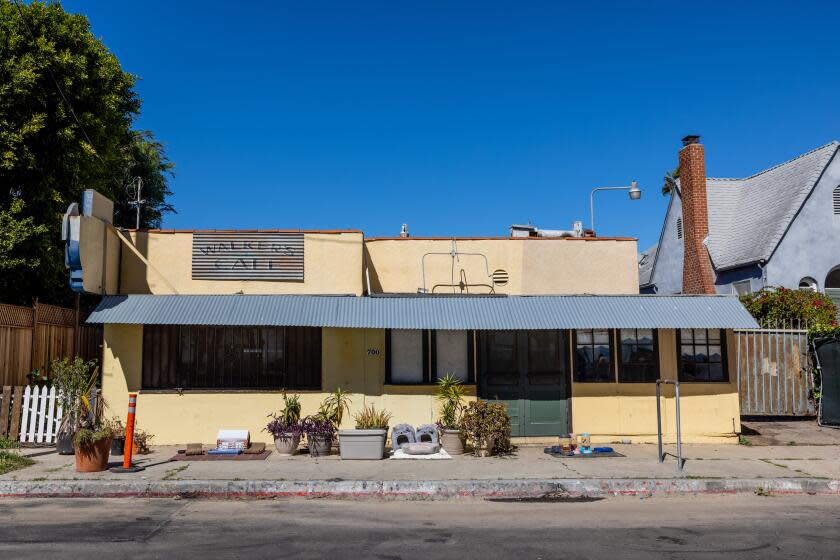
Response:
column 482, row 420
column 85, row 437
column 776, row 306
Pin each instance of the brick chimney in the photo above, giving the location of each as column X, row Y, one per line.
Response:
column 698, row 277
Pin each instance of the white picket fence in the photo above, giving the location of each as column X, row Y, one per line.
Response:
column 40, row 417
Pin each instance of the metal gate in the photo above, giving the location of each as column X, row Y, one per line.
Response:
column 775, row 377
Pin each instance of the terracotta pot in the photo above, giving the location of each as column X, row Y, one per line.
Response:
column 287, row 444
column 452, row 441
column 484, row 447
column 93, row 457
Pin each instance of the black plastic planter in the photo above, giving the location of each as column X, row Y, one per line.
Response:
column 64, row 445
column 118, row 445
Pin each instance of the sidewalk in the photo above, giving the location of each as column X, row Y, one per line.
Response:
column 529, row 473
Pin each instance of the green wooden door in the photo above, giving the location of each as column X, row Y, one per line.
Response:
column 528, row 371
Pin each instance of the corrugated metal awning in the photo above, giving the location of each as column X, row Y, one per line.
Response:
column 428, row 312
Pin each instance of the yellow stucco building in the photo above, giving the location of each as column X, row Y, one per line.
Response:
column 209, row 327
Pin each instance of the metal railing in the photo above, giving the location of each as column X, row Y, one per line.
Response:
column 676, row 385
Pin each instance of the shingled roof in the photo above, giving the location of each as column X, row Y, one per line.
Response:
column 748, row 217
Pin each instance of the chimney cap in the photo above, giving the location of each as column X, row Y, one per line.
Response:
column 691, row 139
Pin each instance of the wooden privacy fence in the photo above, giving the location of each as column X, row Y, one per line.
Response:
column 29, row 414
column 32, row 337
column 774, row 373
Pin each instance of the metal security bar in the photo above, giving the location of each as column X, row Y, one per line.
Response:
column 774, row 374
column 676, row 384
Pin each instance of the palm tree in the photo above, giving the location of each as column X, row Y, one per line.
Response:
column 669, row 182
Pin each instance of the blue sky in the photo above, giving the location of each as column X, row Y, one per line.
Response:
column 460, row 118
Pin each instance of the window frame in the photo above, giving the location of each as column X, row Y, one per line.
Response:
column 724, row 356
column 620, row 362
column 573, row 357
column 429, row 349
column 435, row 374
column 426, row 377
column 173, row 360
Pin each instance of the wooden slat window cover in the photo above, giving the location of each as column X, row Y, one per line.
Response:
column 203, row 357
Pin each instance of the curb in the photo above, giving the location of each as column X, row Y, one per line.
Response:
column 413, row 490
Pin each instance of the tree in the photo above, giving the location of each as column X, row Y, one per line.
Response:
column 145, row 157
column 52, row 147
column 15, row 232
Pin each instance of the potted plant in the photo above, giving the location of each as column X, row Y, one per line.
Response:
column 320, row 433
column 142, row 439
column 286, row 427
column 74, row 381
column 367, row 441
column 486, row 424
column 450, row 392
column 93, row 445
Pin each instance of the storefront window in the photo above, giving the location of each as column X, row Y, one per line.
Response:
column 205, row 357
column 639, row 356
column 593, row 357
column 702, row 355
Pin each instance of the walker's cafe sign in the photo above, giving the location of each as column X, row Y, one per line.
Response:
column 242, row 255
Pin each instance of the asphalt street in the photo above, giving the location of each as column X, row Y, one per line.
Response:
column 624, row 527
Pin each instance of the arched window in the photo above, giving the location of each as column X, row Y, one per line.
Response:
column 832, row 286
column 837, row 201
column 808, row 283
column 833, row 279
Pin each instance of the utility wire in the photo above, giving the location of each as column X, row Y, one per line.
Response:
column 60, row 91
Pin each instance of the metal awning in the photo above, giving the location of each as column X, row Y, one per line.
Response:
column 428, row 312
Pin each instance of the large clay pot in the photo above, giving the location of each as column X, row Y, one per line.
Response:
column 484, row 447
column 287, row 444
column 93, row 457
column 319, row 446
column 452, row 441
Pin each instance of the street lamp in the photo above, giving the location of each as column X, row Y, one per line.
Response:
column 634, row 191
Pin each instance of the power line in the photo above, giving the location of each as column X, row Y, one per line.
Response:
column 60, row 91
